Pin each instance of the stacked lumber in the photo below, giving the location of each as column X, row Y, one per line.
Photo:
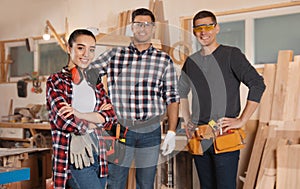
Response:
column 274, row 161
column 162, row 26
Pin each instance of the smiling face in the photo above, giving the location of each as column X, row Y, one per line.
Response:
column 82, row 51
column 205, row 34
column 143, row 29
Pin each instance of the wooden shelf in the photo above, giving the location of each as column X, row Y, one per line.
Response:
column 41, row 126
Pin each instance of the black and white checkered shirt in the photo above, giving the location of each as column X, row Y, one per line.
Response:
column 139, row 83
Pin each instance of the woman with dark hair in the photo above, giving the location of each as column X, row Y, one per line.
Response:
column 78, row 111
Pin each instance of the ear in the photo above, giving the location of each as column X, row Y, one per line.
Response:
column 154, row 29
column 194, row 33
column 131, row 27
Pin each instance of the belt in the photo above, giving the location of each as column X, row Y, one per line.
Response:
column 139, row 123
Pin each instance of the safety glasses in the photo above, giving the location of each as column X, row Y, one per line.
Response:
column 146, row 25
column 204, row 27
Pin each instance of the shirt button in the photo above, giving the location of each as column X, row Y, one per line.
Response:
column 65, row 168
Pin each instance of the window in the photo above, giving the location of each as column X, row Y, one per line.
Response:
column 52, row 58
column 46, row 58
column 22, row 61
column 260, row 34
column 233, row 34
column 276, row 33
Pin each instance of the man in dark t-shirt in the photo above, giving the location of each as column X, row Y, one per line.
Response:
column 213, row 75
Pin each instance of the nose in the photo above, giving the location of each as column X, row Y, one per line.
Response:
column 86, row 53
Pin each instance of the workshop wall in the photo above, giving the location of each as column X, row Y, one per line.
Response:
column 22, row 19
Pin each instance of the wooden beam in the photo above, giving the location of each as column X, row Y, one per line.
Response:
column 2, row 65
column 56, row 36
column 252, row 9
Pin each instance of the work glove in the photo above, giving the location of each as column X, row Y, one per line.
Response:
column 81, row 150
column 169, row 143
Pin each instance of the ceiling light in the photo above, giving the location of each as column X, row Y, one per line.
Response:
column 46, row 35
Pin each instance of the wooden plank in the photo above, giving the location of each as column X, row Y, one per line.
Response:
column 280, row 89
column 158, row 10
column 265, row 107
column 292, row 92
column 245, row 154
column 5, row 152
column 297, row 61
column 151, row 5
column 266, row 175
column 40, row 126
column 256, row 155
column 288, row 166
column 162, row 33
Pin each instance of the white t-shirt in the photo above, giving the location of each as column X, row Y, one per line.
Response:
column 84, row 99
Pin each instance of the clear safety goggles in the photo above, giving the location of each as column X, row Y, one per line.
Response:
column 146, row 25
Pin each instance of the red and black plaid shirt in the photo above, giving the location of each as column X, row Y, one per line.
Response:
column 59, row 89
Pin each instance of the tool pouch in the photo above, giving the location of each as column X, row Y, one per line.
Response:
column 194, row 144
column 115, row 139
column 229, row 142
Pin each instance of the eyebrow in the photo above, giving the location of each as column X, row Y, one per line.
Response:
column 94, row 46
column 205, row 24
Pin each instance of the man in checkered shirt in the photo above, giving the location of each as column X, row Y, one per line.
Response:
column 142, row 85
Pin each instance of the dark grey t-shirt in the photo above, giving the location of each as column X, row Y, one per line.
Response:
column 215, row 83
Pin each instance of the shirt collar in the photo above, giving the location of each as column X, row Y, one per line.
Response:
column 134, row 49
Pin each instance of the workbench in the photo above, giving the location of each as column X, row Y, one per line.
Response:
column 21, row 161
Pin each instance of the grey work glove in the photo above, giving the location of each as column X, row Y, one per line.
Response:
column 81, row 150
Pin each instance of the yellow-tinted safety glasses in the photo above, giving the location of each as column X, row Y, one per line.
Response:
column 204, row 27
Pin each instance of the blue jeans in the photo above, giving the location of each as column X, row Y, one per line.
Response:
column 88, row 177
column 217, row 171
column 143, row 147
